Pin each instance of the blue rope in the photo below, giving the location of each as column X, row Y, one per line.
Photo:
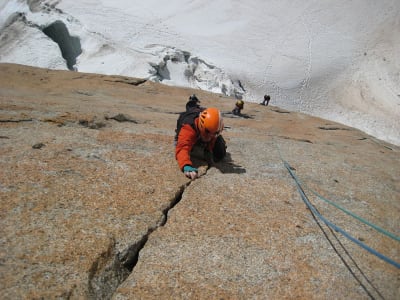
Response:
column 376, row 227
column 333, row 226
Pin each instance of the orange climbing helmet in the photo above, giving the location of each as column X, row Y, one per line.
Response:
column 210, row 121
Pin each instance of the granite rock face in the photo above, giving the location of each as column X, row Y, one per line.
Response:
column 93, row 205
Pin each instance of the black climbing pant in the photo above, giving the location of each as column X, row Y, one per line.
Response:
column 219, row 149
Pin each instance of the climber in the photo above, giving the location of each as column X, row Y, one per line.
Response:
column 199, row 129
column 192, row 102
column 239, row 105
column 266, row 100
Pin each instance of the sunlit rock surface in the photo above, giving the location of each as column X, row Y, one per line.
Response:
column 95, row 207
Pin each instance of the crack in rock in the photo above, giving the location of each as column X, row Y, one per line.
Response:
column 16, row 120
column 111, row 269
column 332, row 128
column 106, row 274
column 129, row 258
column 130, row 81
column 122, row 118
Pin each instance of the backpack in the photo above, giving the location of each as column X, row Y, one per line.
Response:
column 187, row 117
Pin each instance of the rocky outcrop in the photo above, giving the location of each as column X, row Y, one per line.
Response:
column 95, row 207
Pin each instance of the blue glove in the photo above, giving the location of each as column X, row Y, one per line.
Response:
column 190, row 172
column 188, row 168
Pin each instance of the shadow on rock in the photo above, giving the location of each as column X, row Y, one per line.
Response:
column 231, row 115
column 226, row 166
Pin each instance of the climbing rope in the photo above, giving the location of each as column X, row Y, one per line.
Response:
column 335, row 227
column 376, row 227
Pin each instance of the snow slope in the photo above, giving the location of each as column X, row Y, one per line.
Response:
column 334, row 59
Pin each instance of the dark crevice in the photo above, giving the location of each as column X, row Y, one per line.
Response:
column 332, row 128
column 106, row 274
column 241, row 86
column 16, row 121
column 130, row 257
column 295, row 139
column 280, row 111
column 130, row 81
column 70, row 46
column 122, row 118
column 176, row 200
column 111, row 269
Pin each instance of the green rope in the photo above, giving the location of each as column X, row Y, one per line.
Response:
column 333, row 226
column 376, row 227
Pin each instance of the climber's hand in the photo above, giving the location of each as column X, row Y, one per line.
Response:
column 190, row 172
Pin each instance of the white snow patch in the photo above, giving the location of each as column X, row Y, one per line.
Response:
column 309, row 55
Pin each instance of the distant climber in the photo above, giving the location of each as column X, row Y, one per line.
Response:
column 199, row 128
column 193, row 102
column 266, row 100
column 239, row 105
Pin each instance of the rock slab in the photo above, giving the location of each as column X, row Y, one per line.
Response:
column 95, row 207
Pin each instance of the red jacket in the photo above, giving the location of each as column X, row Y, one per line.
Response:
column 187, row 138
